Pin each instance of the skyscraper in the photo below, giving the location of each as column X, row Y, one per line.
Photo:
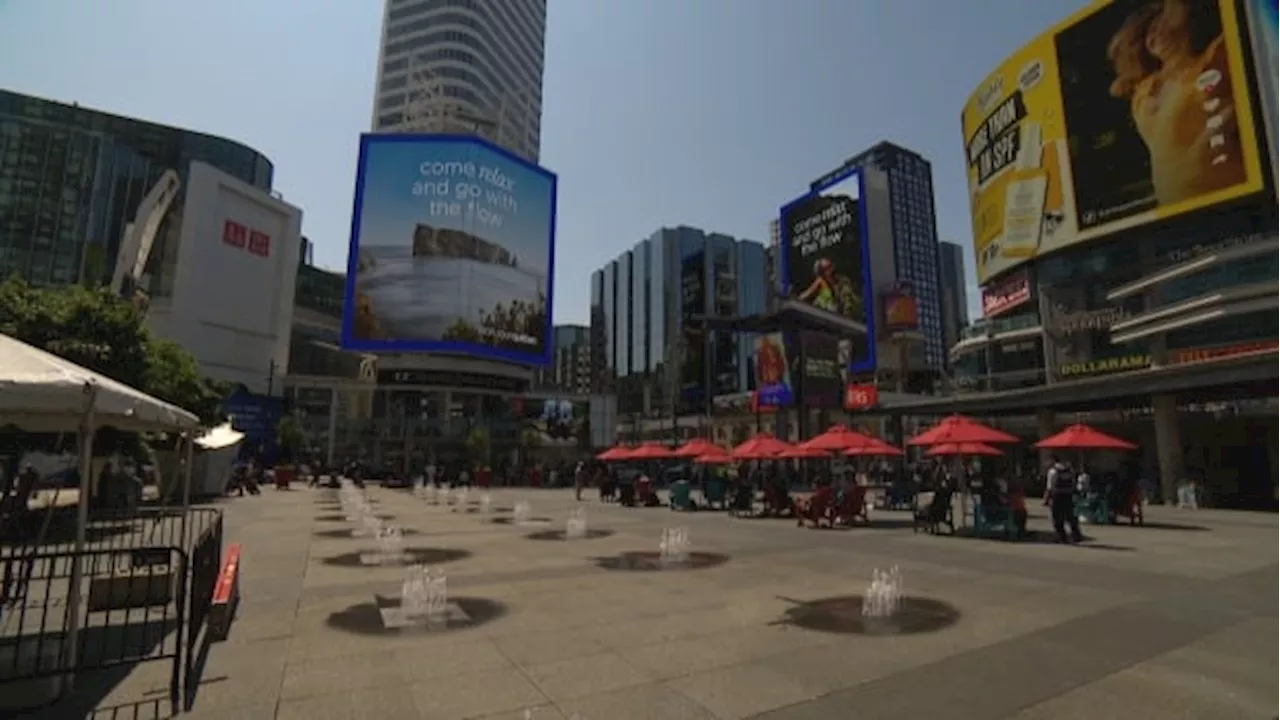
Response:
column 915, row 234
column 636, row 313
column 465, row 67
column 951, row 291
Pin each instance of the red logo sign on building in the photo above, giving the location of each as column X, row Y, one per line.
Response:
column 259, row 243
column 1006, row 294
column 860, row 396
column 234, row 234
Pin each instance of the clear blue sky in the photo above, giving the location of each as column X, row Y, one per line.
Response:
column 709, row 113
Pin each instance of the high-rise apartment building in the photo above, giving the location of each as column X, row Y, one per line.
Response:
column 463, row 66
column 914, row 233
column 570, row 368
column 951, row 291
column 636, row 315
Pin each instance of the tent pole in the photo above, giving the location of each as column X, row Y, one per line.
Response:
column 187, row 440
column 71, row 646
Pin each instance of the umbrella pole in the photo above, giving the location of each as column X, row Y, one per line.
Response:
column 71, row 644
column 964, row 492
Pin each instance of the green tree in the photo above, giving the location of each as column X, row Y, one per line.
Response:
column 106, row 334
column 478, row 442
column 290, row 440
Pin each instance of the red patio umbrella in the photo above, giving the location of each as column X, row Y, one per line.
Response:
column 960, row 429
column 714, row 458
column 836, row 437
column 697, row 447
column 617, row 452
column 874, row 446
column 762, row 446
column 963, row 448
column 651, row 451
column 1083, row 437
column 799, row 452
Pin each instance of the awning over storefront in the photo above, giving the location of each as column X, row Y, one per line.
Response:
column 1197, row 265
column 1259, row 368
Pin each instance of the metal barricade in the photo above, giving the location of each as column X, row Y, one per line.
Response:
column 129, row 614
column 145, row 596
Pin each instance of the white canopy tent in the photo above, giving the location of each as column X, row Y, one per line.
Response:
column 41, row 392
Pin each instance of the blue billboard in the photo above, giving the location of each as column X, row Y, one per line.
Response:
column 825, row 263
column 452, row 250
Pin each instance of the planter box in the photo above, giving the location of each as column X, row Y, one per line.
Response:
column 132, row 588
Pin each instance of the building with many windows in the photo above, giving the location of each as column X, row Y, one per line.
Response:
column 952, row 296
column 72, row 179
column 463, row 66
column 636, row 316
column 570, row 368
column 914, row 233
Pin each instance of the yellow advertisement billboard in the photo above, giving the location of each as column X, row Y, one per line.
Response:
column 1129, row 112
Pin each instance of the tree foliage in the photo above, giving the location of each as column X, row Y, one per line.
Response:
column 104, row 333
column 290, row 439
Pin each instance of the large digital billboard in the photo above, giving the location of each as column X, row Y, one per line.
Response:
column 825, row 263
column 1262, row 22
column 1127, row 113
column 452, row 249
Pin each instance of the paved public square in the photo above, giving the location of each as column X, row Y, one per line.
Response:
column 1174, row 620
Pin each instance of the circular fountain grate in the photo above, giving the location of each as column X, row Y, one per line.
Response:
column 411, row 556
column 344, row 534
column 343, row 518
column 527, row 521
column 591, row 534
column 373, row 618
column 651, row 561
column 843, row 615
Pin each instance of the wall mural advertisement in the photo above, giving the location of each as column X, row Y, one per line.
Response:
column 824, row 363
column 773, row 371
column 901, row 310
column 452, row 248
column 825, row 263
column 693, row 303
column 1125, row 114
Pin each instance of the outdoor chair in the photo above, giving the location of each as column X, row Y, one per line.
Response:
column 744, row 500
column 680, row 496
column 817, row 509
column 851, row 505
column 715, row 493
column 936, row 514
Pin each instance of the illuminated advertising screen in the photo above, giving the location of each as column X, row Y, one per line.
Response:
column 824, row 262
column 1125, row 114
column 452, row 249
column 773, row 371
column 1262, row 33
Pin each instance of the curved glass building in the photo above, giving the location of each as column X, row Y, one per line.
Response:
column 1128, row 281
column 71, row 178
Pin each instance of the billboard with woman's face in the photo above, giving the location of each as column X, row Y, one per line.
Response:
column 1127, row 113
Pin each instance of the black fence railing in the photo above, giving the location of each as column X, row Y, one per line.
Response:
column 128, row 614
column 145, row 592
